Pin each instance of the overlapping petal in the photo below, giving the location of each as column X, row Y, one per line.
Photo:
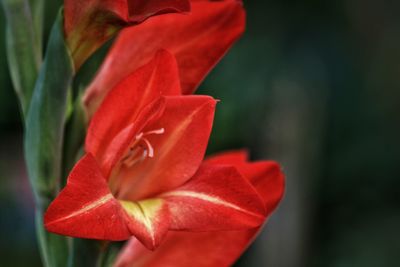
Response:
column 198, row 40
column 86, row 208
column 222, row 248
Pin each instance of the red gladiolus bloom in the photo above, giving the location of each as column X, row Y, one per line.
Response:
column 90, row 23
column 198, row 40
column 211, row 249
column 143, row 175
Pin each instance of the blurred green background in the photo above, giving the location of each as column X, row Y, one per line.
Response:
column 313, row 84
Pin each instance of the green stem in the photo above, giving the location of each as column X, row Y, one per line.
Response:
column 53, row 248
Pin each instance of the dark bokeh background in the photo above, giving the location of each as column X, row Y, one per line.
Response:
column 313, row 84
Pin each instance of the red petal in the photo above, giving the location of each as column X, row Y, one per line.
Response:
column 198, row 41
column 182, row 249
column 216, row 198
column 266, row 176
column 85, row 208
column 268, row 179
column 229, row 157
column 130, row 98
column 187, row 122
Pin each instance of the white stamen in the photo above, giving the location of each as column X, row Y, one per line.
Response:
column 150, row 148
column 158, row 131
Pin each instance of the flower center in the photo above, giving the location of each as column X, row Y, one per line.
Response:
column 141, row 148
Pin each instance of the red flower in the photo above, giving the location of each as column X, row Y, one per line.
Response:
column 181, row 249
column 198, row 40
column 143, row 175
column 89, row 23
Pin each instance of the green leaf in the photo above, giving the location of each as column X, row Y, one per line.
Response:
column 46, row 117
column 45, row 125
column 74, row 137
column 37, row 8
column 23, row 50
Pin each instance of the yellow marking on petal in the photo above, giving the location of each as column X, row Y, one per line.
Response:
column 144, row 211
column 208, row 198
column 95, row 204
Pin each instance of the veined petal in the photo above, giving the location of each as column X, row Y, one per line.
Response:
column 197, row 40
column 178, row 152
column 148, row 220
column 265, row 176
column 85, row 208
column 182, row 249
column 216, row 198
